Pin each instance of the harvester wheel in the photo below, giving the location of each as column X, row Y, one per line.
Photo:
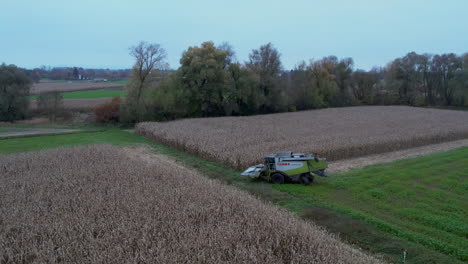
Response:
column 277, row 178
column 305, row 180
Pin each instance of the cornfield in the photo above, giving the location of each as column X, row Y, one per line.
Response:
column 103, row 204
column 335, row 133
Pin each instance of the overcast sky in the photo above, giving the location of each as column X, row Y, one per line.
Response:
column 98, row 33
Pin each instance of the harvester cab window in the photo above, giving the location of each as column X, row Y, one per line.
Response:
column 298, row 155
column 315, row 157
column 270, row 163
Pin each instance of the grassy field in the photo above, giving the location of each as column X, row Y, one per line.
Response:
column 112, row 136
column 424, row 200
column 46, row 87
column 415, row 206
column 120, row 82
column 90, row 94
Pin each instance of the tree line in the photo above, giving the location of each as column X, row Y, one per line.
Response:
column 211, row 82
column 76, row 73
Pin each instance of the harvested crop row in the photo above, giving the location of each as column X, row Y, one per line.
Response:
column 335, row 133
column 103, row 204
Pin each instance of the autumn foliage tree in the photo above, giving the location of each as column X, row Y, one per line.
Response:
column 202, row 75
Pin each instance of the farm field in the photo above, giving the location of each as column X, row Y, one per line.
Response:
column 335, row 133
column 78, row 104
column 111, row 204
column 45, row 87
column 350, row 225
column 108, row 136
column 89, row 94
column 119, row 82
column 85, row 97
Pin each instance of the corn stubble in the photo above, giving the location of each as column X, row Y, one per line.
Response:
column 334, row 133
column 99, row 204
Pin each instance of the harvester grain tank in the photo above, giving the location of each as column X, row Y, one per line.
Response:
column 288, row 167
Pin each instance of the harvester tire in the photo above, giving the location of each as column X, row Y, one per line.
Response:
column 277, row 178
column 305, row 180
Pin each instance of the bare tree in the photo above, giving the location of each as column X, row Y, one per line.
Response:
column 51, row 104
column 445, row 67
column 149, row 57
column 149, row 61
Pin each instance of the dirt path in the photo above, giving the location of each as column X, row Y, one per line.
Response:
column 35, row 132
column 348, row 164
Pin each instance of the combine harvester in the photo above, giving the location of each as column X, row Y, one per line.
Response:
column 288, row 167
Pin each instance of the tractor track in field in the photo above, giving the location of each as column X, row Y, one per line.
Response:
column 348, row 164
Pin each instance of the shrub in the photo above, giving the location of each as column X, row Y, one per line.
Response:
column 108, row 112
column 14, row 87
column 51, row 105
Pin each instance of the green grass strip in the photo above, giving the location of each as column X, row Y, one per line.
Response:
column 89, row 94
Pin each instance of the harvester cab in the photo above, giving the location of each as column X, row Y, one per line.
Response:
column 288, row 167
